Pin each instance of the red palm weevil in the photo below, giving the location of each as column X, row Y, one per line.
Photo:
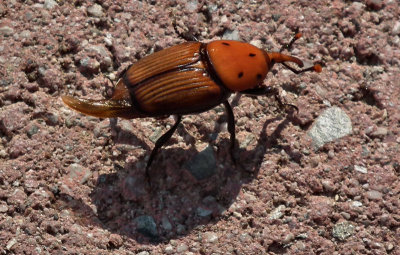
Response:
column 190, row 78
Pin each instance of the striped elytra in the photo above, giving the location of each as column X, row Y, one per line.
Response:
column 176, row 80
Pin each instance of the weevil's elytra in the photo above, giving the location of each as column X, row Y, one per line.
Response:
column 189, row 78
column 177, row 84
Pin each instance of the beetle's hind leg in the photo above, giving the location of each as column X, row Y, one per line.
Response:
column 160, row 142
column 231, row 129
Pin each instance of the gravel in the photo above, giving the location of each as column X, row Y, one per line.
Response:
column 324, row 180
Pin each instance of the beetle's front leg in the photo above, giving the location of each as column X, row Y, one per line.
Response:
column 268, row 91
column 160, row 142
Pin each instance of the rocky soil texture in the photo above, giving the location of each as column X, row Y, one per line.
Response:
column 323, row 181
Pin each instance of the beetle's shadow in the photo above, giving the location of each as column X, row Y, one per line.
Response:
column 176, row 203
column 120, row 135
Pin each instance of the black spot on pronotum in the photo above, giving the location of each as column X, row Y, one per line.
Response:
column 252, row 55
column 259, row 76
column 225, row 43
column 240, row 75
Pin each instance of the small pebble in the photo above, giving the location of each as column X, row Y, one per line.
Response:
column 342, row 230
column 3, row 208
column 376, row 245
column 389, row 247
column 115, row 240
column 11, row 243
column 277, row 212
column 288, row 238
column 165, row 223
column 328, row 185
column 380, row 132
column 356, row 205
column 374, row 195
column 210, row 237
column 237, row 215
column 231, row 35
column 361, row 169
column 49, row 4
column 169, row 249
column 345, row 215
column 182, row 248
column 79, row 173
column 146, row 226
column 95, row 10
column 245, row 237
column 396, row 28
column 203, row 212
column 6, row 30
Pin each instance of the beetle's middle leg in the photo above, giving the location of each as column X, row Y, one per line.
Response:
column 160, row 142
column 231, row 129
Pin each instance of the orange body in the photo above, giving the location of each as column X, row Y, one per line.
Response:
column 187, row 78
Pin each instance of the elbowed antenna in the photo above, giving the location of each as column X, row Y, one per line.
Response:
column 279, row 57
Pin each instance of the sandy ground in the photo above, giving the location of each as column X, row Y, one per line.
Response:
column 323, row 181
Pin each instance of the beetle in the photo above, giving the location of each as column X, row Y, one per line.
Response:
column 190, row 78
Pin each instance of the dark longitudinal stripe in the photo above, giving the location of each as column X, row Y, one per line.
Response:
column 134, row 100
column 210, row 68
